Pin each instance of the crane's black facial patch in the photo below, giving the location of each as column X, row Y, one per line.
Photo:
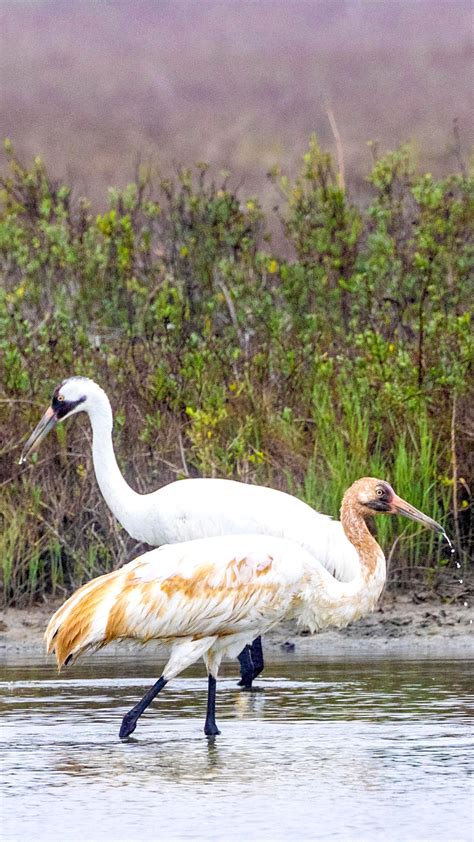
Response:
column 382, row 502
column 62, row 407
column 378, row 505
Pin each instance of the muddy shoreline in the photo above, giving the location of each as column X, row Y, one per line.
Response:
column 431, row 628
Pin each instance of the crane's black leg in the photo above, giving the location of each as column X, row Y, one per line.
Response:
column 246, row 668
column 257, row 657
column 210, row 727
column 129, row 722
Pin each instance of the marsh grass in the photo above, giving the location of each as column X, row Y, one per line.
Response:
column 224, row 358
column 346, row 447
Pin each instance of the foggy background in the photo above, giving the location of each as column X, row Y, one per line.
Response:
column 90, row 86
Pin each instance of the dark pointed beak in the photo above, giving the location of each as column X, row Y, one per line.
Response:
column 401, row 507
column 47, row 423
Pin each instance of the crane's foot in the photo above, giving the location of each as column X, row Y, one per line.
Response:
column 211, row 729
column 246, row 680
column 129, row 723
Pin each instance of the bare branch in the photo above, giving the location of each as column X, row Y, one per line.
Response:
column 339, row 148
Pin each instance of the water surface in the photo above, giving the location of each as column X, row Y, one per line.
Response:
column 336, row 750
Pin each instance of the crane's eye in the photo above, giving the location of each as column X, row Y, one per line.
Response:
column 379, row 492
column 60, row 398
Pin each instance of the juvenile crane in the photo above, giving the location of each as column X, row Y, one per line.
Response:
column 196, row 508
column 210, row 597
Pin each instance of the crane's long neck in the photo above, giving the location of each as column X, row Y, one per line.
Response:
column 120, row 498
column 333, row 603
column 357, row 531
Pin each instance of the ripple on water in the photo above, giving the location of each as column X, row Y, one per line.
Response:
column 327, row 751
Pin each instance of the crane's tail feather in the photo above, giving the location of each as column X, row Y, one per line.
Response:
column 81, row 623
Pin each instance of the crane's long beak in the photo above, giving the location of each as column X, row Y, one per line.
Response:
column 401, row 507
column 47, row 423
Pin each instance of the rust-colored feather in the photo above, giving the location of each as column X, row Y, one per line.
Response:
column 125, row 604
column 69, row 628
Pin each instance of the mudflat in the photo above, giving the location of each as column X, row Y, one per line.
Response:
column 428, row 627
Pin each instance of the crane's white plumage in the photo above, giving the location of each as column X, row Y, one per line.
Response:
column 231, row 589
column 199, row 508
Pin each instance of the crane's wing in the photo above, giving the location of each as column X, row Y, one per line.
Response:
column 215, row 586
column 201, row 508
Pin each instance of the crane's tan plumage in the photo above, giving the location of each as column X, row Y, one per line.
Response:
column 211, row 596
column 208, row 587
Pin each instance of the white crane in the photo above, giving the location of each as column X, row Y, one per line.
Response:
column 212, row 596
column 196, row 508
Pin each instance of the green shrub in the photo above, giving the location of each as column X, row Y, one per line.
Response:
column 350, row 357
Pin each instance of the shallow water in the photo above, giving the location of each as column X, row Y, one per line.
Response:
column 327, row 751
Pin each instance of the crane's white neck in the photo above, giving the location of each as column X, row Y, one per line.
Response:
column 120, row 498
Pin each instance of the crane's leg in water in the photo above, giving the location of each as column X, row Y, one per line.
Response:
column 129, row 722
column 251, row 664
column 246, row 668
column 183, row 654
column 257, row 657
column 210, row 727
